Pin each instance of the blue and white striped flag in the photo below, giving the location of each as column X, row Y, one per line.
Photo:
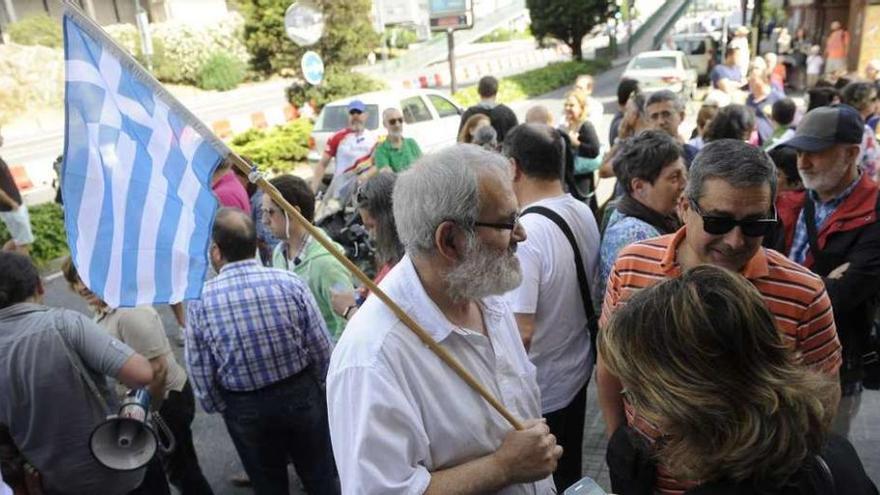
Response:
column 137, row 176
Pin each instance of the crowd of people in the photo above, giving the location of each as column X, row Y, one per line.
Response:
column 723, row 299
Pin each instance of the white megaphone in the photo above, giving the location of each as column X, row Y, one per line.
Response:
column 126, row 441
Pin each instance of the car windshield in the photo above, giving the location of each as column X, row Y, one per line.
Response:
column 335, row 117
column 653, row 63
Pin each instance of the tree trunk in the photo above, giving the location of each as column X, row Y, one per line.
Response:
column 576, row 52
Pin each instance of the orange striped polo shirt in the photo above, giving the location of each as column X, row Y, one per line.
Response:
column 796, row 297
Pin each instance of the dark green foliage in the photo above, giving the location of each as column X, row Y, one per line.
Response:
column 348, row 34
column 568, row 20
column 535, row 82
column 221, row 72
column 338, row 83
column 277, row 150
column 39, row 29
column 50, row 238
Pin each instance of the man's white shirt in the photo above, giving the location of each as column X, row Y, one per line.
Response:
column 560, row 344
column 398, row 413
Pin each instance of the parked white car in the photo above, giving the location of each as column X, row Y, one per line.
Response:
column 663, row 69
column 430, row 118
column 700, row 48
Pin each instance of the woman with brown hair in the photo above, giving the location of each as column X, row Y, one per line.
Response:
column 471, row 126
column 701, row 360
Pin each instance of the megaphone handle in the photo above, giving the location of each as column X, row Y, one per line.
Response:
column 163, row 432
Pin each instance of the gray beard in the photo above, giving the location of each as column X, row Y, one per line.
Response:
column 484, row 272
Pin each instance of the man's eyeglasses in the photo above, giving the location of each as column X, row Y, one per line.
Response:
column 716, row 225
column 270, row 212
column 354, row 112
column 511, row 225
column 395, row 121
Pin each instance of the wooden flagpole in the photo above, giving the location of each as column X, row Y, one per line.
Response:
column 254, row 176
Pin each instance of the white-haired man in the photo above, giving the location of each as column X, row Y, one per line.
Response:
column 400, row 420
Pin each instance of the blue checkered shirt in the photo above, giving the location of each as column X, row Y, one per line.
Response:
column 252, row 327
column 800, row 244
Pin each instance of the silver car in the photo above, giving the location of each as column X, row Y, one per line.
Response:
column 663, row 69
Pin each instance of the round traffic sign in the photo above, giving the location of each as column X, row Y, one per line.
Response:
column 312, row 67
column 303, row 23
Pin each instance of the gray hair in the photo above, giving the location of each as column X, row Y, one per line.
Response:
column 388, row 111
column 665, row 95
column 442, row 186
column 735, row 162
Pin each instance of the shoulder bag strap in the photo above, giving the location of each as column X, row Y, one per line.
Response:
column 578, row 261
column 810, row 221
column 78, row 366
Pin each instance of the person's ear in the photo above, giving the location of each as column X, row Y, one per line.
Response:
column 852, row 153
column 446, row 241
column 637, row 185
column 515, row 170
column 41, row 290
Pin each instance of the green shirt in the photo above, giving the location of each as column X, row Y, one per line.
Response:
column 322, row 272
column 398, row 159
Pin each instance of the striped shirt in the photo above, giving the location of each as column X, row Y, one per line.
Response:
column 796, row 297
column 252, row 327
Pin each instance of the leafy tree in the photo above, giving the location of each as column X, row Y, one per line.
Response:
column 568, row 20
column 348, row 34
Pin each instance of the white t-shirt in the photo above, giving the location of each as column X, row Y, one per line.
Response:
column 397, row 412
column 561, row 343
column 4, row 488
column 814, row 64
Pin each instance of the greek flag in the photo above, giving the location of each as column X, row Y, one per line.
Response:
column 137, row 174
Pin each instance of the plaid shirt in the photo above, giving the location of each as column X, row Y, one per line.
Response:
column 253, row 327
column 800, row 244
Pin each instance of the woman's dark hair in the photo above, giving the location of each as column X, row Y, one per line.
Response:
column 20, row 279
column 295, row 191
column 625, row 88
column 785, row 158
column 731, row 122
column 644, row 157
column 375, row 196
column 821, row 96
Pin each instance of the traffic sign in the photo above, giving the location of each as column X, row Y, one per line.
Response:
column 451, row 14
column 303, row 23
column 312, row 67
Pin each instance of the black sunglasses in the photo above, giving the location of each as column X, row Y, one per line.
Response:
column 395, row 121
column 721, row 225
column 511, row 225
column 354, row 112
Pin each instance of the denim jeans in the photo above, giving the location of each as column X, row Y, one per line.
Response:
column 286, row 420
column 182, row 464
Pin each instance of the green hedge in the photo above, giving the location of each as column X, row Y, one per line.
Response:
column 338, row 83
column 37, row 29
column 50, row 238
column 220, row 72
column 535, row 82
column 505, row 34
column 277, row 150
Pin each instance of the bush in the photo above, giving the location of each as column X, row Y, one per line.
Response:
column 400, row 38
column 220, row 72
column 534, row 82
column 338, row 83
column 277, row 150
column 38, row 29
column 504, row 34
column 50, row 238
column 180, row 51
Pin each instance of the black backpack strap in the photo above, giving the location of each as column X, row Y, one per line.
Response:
column 583, row 282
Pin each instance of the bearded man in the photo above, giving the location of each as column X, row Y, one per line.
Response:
column 401, row 421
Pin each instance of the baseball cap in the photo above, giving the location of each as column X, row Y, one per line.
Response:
column 356, row 105
column 823, row 127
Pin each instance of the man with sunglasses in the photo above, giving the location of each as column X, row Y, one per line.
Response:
column 350, row 146
column 396, row 152
column 728, row 210
column 841, row 242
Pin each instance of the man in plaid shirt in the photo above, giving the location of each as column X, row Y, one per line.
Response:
column 257, row 351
